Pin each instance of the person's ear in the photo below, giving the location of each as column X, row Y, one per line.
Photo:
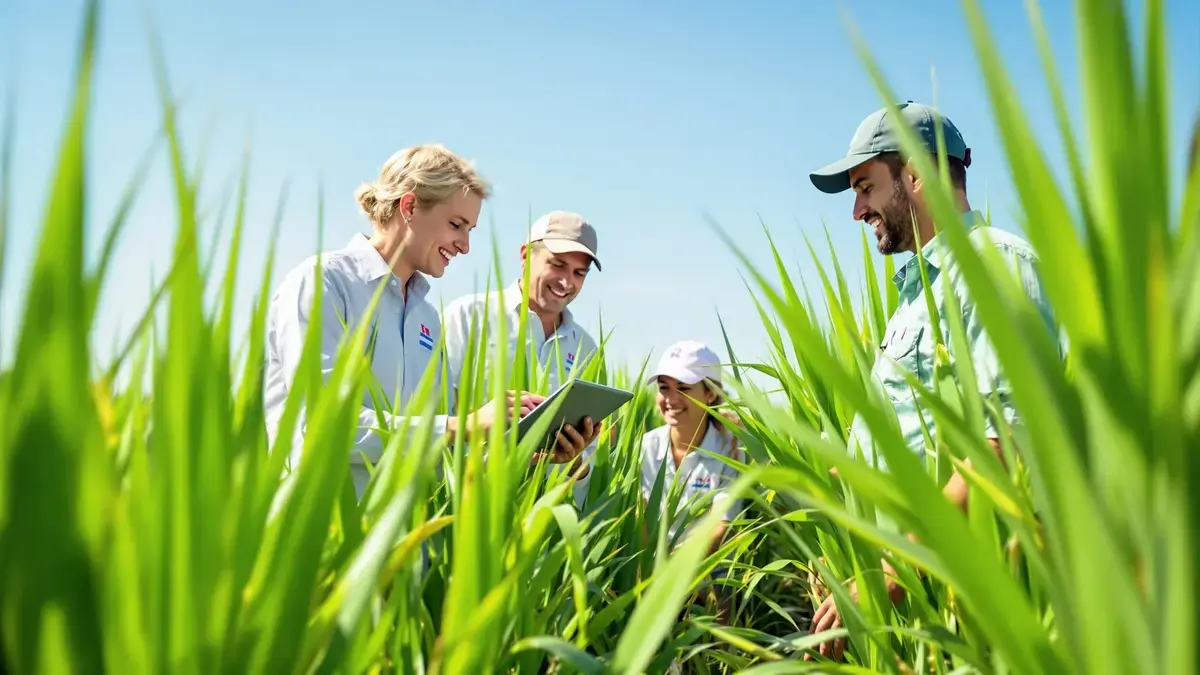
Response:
column 910, row 179
column 408, row 204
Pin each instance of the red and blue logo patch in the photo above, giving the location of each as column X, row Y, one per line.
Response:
column 425, row 339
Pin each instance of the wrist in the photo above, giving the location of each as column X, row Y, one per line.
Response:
column 580, row 469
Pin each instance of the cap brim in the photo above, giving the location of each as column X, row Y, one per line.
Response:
column 835, row 178
column 684, row 375
column 567, row 246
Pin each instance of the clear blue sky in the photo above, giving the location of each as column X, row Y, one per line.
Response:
column 644, row 117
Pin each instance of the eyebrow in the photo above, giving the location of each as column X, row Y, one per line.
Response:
column 466, row 220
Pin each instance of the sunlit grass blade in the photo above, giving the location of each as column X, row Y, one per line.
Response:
column 54, row 443
column 565, row 651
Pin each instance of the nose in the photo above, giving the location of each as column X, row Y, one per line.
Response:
column 860, row 206
column 463, row 244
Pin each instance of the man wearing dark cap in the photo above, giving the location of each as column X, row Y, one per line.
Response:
column 889, row 196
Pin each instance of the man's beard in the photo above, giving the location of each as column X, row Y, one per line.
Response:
column 897, row 222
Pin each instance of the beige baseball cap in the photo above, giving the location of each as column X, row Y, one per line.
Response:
column 564, row 232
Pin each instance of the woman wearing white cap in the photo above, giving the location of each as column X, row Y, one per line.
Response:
column 687, row 373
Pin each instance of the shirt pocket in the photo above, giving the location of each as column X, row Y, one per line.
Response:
column 900, row 357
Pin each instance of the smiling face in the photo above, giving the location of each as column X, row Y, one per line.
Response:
column 439, row 232
column 555, row 278
column 882, row 201
column 676, row 404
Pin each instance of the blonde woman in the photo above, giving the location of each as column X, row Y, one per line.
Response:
column 422, row 209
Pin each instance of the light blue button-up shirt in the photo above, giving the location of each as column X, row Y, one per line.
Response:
column 909, row 346
column 406, row 335
column 569, row 346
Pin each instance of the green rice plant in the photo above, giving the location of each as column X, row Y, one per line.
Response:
column 154, row 529
column 177, row 547
column 1080, row 557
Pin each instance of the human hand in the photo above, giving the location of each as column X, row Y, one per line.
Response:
column 570, row 442
column 732, row 417
column 827, row 618
column 501, row 408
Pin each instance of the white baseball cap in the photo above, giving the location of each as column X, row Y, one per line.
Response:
column 689, row 362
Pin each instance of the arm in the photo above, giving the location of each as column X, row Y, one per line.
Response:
column 581, row 470
column 732, row 506
column 991, row 380
column 985, row 361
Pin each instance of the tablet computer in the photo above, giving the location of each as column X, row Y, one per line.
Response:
column 575, row 400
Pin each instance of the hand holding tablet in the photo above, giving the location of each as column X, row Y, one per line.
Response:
column 576, row 409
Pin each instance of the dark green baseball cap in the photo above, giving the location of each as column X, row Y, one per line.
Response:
column 877, row 134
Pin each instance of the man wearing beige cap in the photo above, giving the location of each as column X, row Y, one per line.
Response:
column 561, row 251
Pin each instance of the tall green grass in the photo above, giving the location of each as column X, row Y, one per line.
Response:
column 147, row 529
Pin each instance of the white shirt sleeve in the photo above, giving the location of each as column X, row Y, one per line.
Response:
column 291, row 316
column 455, row 330
column 587, row 458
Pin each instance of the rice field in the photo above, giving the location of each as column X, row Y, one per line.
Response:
column 146, row 529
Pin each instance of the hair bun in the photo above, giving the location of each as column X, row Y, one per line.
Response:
column 365, row 194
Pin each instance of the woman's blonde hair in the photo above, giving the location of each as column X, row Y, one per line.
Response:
column 431, row 172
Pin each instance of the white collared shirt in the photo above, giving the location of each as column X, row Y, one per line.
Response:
column 698, row 473
column 570, row 345
column 406, row 334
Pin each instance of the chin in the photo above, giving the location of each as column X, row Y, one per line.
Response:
column 435, row 269
column 551, row 303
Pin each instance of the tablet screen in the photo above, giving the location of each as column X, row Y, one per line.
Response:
column 571, row 404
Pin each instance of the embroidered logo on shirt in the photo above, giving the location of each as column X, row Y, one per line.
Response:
column 570, row 359
column 425, row 339
column 702, row 483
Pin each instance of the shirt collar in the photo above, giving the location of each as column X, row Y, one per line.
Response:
column 370, row 266
column 933, row 252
